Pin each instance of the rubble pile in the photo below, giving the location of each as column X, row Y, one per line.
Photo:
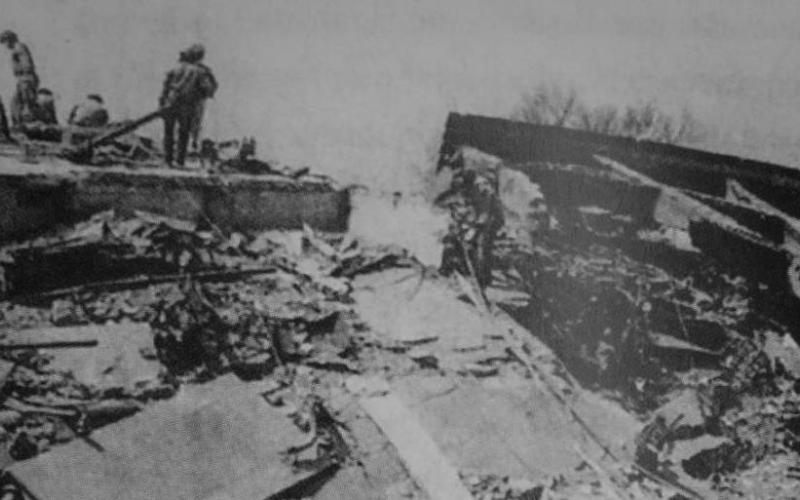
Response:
column 201, row 303
column 689, row 350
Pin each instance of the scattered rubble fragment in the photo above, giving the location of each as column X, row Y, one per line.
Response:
column 630, row 284
column 103, row 319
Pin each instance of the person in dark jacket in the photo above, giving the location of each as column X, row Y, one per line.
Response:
column 185, row 89
column 45, row 110
column 90, row 113
column 24, row 101
column 195, row 56
column 489, row 219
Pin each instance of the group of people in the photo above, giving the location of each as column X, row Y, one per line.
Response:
column 32, row 103
column 181, row 103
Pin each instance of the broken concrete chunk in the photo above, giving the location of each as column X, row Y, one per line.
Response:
column 254, row 366
column 784, row 350
column 701, row 455
column 65, row 312
column 478, row 370
column 424, row 358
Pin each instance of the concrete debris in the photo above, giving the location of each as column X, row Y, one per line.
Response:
column 424, row 357
column 253, row 355
column 492, row 487
column 648, row 285
column 783, row 350
column 145, row 456
column 428, row 467
column 478, row 370
column 197, row 314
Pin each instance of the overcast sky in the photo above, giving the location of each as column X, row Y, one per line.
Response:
column 360, row 89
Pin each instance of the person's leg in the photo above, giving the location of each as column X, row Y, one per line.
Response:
column 16, row 107
column 5, row 133
column 197, row 124
column 169, row 138
column 184, row 125
column 483, row 259
column 27, row 88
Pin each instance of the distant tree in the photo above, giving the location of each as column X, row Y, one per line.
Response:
column 553, row 105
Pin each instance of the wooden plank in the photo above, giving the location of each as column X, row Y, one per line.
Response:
column 423, row 458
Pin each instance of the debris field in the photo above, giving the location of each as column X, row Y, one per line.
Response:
column 618, row 352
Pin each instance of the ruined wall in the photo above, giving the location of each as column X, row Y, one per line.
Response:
column 681, row 167
column 27, row 205
column 34, row 201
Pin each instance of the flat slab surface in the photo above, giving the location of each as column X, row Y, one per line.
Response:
column 218, row 440
column 401, row 309
column 493, row 426
column 115, row 362
column 509, row 426
column 12, row 165
column 432, row 471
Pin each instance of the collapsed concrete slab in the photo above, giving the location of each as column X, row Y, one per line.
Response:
column 40, row 195
column 686, row 168
column 216, row 441
column 116, row 363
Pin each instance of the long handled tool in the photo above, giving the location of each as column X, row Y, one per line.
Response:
column 84, row 152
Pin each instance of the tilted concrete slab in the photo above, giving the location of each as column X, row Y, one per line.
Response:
column 511, row 426
column 402, row 309
column 34, row 196
column 116, row 361
column 211, row 441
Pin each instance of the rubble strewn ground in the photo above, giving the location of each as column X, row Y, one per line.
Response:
column 610, row 361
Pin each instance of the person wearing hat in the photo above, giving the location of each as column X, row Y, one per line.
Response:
column 195, row 55
column 89, row 113
column 185, row 89
column 24, row 100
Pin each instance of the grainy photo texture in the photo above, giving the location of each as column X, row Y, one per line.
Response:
column 399, row 250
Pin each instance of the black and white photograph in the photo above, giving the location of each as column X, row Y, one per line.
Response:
column 399, row 250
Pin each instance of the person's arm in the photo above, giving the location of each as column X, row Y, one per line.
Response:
column 208, row 82
column 162, row 100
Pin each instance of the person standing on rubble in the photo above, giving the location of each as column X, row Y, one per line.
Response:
column 185, row 89
column 477, row 215
column 24, row 101
column 197, row 121
column 489, row 219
